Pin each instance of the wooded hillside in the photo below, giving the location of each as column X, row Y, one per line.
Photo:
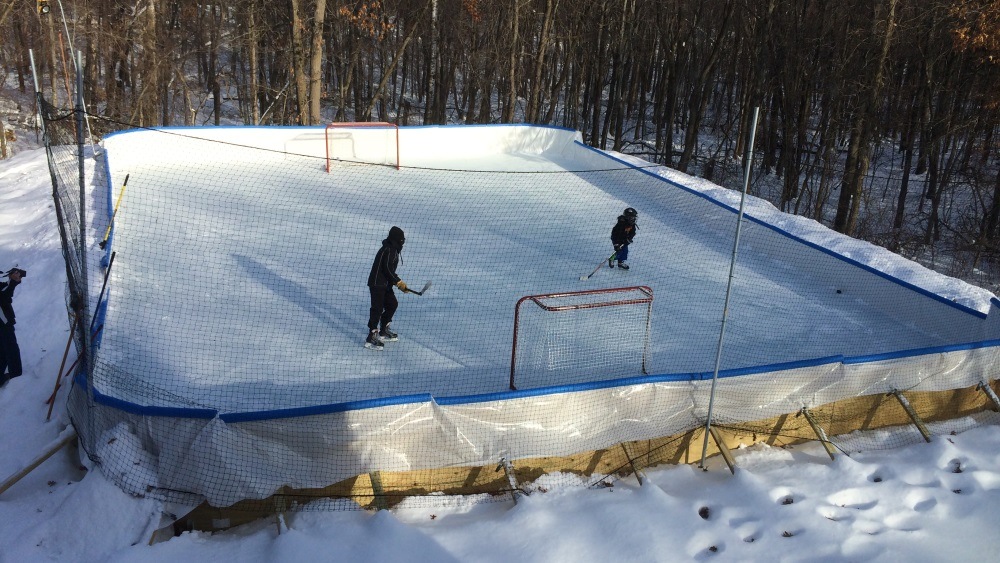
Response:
column 877, row 116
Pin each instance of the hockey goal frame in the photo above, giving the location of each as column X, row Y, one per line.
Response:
column 357, row 125
column 646, row 298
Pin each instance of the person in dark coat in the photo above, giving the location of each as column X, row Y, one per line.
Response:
column 380, row 283
column 621, row 235
column 10, row 354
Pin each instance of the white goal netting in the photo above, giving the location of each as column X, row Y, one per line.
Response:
column 580, row 337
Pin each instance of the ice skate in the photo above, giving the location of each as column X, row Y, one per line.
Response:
column 373, row 341
column 387, row 335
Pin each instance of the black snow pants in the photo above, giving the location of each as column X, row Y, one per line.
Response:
column 10, row 354
column 384, row 306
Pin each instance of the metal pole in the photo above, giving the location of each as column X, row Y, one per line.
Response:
column 34, row 71
column 77, row 66
column 38, row 93
column 729, row 286
column 85, row 352
column 80, row 111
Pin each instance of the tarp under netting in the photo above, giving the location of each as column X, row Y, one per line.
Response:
column 229, row 358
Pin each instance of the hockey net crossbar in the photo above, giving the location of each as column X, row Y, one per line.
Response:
column 362, row 149
column 579, row 336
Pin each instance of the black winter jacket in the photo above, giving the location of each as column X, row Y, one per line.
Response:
column 383, row 273
column 6, row 301
column 622, row 233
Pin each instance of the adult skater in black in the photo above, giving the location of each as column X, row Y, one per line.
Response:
column 621, row 235
column 380, row 281
column 10, row 354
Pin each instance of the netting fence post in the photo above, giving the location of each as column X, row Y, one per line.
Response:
column 729, row 287
column 984, row 386
column 85, row 363
column 508, row 469
column 917, row 421
column 820, row 433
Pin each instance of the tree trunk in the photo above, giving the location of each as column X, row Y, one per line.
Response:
column 850, row 187
column 390, row 71
column 299, row 62
column 991, row 227
column 509, row 111
column 254, row 71
column 861, row 132
column 700, row 89
column 534, row 94
column 316, row 64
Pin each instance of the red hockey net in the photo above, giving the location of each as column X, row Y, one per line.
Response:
column 580, row 336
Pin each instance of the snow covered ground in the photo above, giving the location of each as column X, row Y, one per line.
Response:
column 927, row 502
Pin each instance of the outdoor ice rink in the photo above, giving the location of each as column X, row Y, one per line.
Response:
column 239, row 275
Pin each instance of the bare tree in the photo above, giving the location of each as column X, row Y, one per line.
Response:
column 863, row 126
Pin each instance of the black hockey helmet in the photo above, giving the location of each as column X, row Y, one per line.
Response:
column 630, row 215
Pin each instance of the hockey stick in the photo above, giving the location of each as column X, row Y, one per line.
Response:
column 610, row 258
column 52, row 398
column 111, row 223
column 421, row 292
column 104, row 286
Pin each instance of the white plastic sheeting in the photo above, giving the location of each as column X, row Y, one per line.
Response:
column 230, row 461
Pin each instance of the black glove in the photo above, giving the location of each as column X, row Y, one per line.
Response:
column 618, row 247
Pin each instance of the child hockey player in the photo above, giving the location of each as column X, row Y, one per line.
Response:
column 380, row 281
column 621, row 235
